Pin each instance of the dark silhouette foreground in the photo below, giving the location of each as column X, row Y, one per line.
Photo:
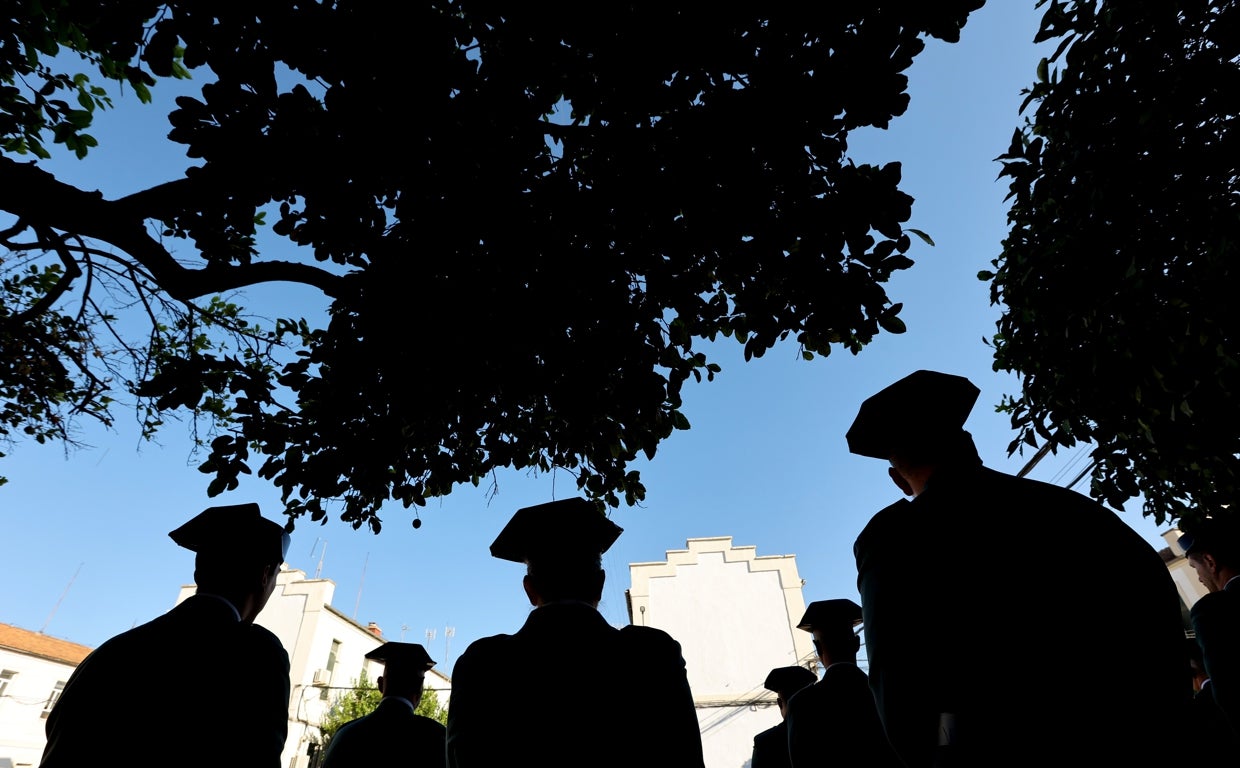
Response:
column 201, row 686
column 770, row 747
column 393, row 734
column 969, row 606
column 1213, row 550
column 834, row 721
column 569, row 689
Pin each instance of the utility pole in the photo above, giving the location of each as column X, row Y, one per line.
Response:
column 1033, row 461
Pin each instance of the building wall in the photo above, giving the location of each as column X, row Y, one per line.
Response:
column 26, row 695
column 728, row 731
column 734, row 613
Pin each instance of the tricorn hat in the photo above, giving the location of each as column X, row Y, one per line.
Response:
column 238, row 530
column 569, row 528
column 828, row 614
column 407, row 656
column 917, row 408
column 1218, row 536
column 788, row 680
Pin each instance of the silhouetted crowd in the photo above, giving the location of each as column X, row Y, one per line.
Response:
column 985, row 646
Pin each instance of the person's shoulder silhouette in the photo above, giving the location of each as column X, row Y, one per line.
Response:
column 835, row 720
column 238, row 554
column 916, row 559
column 567, row 687
column 394, row 732
column 770, row 747
column 1212, row 546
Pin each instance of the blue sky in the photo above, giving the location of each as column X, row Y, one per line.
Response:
column 765, row 461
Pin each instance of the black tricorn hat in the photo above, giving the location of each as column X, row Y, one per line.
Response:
column 826, row 614
column 237, row 530
column 570, row 528
column 407, row 656
column 916, row 409
column 788, row 680
column 1217, row 536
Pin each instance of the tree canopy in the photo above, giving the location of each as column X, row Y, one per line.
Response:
column 524, row 218
column 1119, row 274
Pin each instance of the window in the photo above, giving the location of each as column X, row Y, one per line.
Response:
column 5, row 676
column 325, row 691
column 53, row 697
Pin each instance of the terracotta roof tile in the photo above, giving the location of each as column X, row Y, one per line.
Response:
column 38, row 644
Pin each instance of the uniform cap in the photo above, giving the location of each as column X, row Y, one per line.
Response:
column 788, row 680
column 1189, row 542
column 568, row 528
column 924, row 404
column 825, row 614
column 1218, row 536
column 238, row 530
column 407, row 656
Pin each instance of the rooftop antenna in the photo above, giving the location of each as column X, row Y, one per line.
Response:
column 403, row 629
column 448, row 634
column 62, row 597
column 319, row 569
column 359, row 586
column 430, row 635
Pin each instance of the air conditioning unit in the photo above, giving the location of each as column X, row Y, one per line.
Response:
column 322, row 677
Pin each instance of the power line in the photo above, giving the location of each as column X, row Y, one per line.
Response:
column 1084, row 472
column 1070, row 466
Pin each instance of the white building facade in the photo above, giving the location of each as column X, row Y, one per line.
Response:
column 33, row 671
column 734, row 613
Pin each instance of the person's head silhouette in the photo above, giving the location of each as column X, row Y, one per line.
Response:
column 561, row 544
column 917, row 424
column 404, row 670
column 238, row 554
column 832, row 624
column 785, row 681
column 1212, row 546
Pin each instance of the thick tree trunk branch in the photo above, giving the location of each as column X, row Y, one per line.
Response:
column 72, row 272
column 42, row 201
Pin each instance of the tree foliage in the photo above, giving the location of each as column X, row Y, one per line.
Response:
column 524, row 217
column 358, row 701
column 429, row 706
column 1119, row 274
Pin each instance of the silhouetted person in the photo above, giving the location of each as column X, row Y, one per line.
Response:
column 1213, row 550
column 569, row 689
column 834, row 721
column 392, row 735
column 1208, row 735
column 966, row 589
column 201, row 685
column 770, row 747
